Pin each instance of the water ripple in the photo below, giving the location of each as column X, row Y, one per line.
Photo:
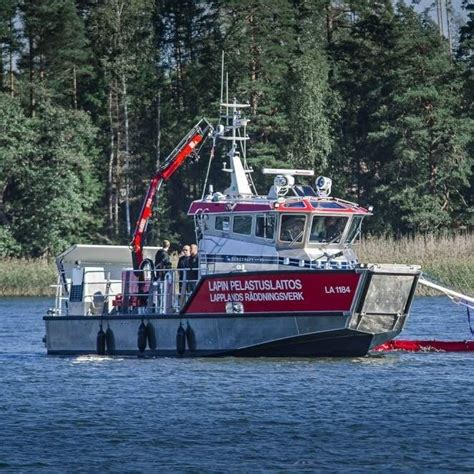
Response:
column 397, row 412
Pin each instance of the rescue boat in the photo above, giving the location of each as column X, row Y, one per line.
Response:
column 278, row 273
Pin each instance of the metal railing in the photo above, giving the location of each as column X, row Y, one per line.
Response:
column 137, row 292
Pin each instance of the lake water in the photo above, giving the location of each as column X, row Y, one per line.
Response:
column 402, row 412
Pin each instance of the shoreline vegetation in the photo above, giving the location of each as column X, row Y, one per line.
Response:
column 447, row 259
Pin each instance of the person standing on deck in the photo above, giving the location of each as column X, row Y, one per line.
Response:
column 183, row 265
column 193, row 265
column 162, row 260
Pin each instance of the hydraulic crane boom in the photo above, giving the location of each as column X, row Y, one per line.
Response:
column 173, row 162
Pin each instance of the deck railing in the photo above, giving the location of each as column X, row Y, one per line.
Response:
column 137, row 292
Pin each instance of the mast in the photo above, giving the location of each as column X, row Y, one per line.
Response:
column 240, row 184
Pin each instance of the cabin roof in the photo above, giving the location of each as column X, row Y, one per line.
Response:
column 291, row 204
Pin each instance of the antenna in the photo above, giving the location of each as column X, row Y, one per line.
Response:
column 227, row 97
column 222, row 84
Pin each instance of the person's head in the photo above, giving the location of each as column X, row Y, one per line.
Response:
column 165, row 244
column 186, row 250
column 194, row 249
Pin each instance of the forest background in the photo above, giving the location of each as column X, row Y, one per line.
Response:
column 95, row 94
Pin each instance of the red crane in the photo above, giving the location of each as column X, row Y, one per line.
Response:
column 173, row 162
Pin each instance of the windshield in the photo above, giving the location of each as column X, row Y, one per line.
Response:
column 327, row 229
column 292, row 228
column 355, row 228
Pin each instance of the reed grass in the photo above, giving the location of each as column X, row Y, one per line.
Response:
column 23, row 277
column 448, row 259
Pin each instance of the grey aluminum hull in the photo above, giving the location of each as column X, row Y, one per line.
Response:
column 377, row 314
column 277, row 335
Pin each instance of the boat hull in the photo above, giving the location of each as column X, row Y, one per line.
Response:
column 276, row 335
column 371, row 309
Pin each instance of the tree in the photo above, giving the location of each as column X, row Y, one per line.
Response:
column 422, row 180
column 361, row 61
column 188, row 38
column 121, row 36
column 56, row 56
column 311, row 103
column 53, row 189
column 9, row 44
column 17, row 139
column 260, row 40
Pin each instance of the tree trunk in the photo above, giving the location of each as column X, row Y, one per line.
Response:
column 74, row 87
column 32, row 76
column 11, row 75
column 253, row 65
column 2, row 71
column 158, row 131
column 3, row 217
column 127, row 156
column 111, row 164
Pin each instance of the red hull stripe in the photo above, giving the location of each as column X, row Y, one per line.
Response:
column 277, row 292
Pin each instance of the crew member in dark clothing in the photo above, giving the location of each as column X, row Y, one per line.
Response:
column 183, row 265
column 162, row 260
column 193, row 265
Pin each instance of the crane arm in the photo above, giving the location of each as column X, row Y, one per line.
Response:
column 173, row 162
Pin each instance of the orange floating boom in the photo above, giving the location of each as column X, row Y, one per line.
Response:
column 426, row 346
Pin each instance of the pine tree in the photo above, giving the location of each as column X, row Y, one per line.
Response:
column 260, row 41
column 311, row 103
column 423, row 175
column 9, row 45
column 120, row 33
column 56, row 55
column 361, row 63
column 189, row 41
column 466, row 56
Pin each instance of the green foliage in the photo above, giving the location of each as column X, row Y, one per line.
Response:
column 260, row 41
column 403, row 128
column 428, row 172
column 57, row 55
column 17, row 137
column 312, row 105
column 53, row 186
column 9, row 247
column 100, row 92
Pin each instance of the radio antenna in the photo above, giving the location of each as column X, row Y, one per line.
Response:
column 222, row 84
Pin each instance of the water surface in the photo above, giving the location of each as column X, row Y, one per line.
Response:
column 400, row 412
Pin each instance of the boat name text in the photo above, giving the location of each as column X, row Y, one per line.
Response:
column 254, row 285
column 223, row 291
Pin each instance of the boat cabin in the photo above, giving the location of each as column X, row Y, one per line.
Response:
column 296, row 225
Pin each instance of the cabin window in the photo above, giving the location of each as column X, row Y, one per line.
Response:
column 222, row 223
column 242, row 225
column 354, row 230
column 295, row 204
column 327, row 229
column 327, row 204
column 292, row 228
column 265, row 226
